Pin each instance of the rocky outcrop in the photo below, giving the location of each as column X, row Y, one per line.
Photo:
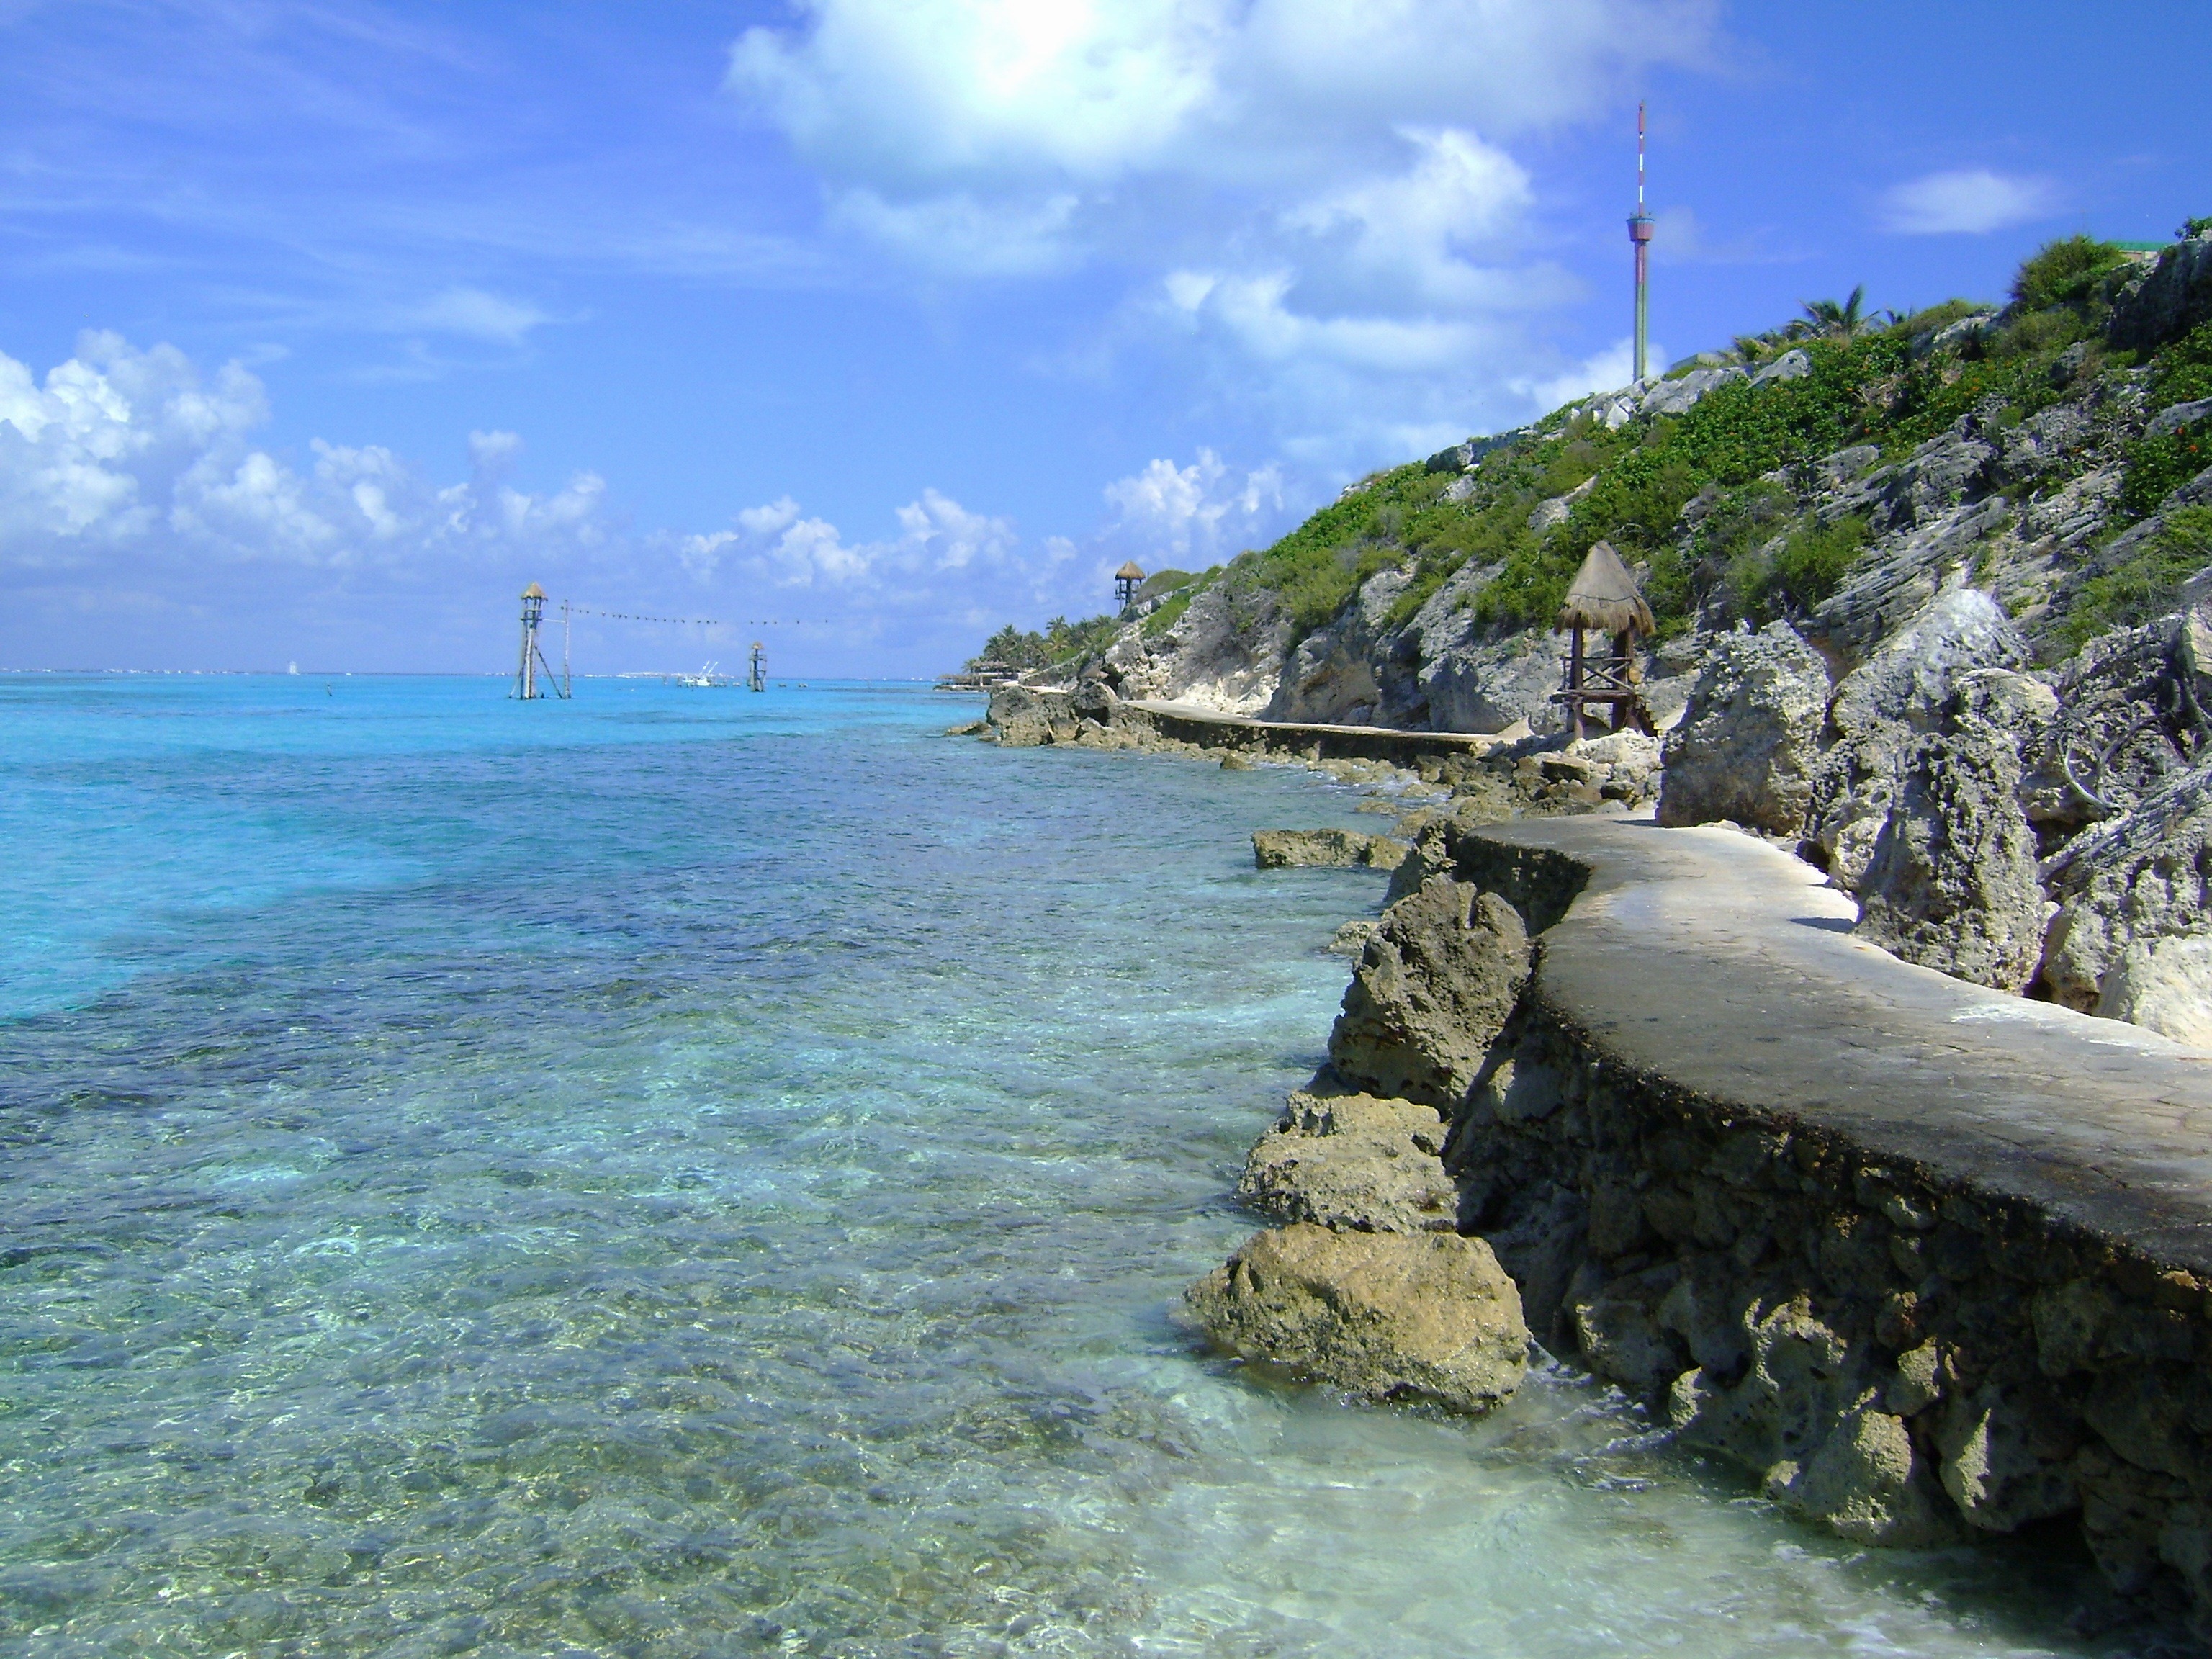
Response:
column 1425, row 1316
column 1225, row 652
column 2166, row 302
column 1951, row 883
column 1882, row 706
column 1290, row 849
column 1747, row 743
column 1353, row 1162
column 1967, row 1292
column 2133, row 932
column 1433, row 986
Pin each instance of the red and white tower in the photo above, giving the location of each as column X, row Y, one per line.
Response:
column 1639, row 235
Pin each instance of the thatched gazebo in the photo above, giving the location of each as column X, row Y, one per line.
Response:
column 1603, row 597
column 1127, row 580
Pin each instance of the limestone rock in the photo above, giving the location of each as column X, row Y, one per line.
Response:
column 2135, row 899
column 1951, row 883
column 1900, row 692
column 1353, row 1162
column 1433, row 988
column 2170, row 299
column 1225, row 652
column 1026, row 718
column 1746, row 744
column 2125, row 720
column 1389, row 1316
column 1290, row 849
column 1804, row 1413
column 1330, row 677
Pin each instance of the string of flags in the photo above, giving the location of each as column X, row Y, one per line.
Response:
column 697, row 622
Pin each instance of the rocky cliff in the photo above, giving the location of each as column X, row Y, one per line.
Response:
column 2045, row 454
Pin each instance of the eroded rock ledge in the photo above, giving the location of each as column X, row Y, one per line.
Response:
column 1926, row 1258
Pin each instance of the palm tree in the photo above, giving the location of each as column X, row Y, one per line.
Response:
column 1838, row 322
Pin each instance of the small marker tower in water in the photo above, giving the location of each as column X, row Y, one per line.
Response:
column 757, row 671
column 1639, row 236
column 526, row 686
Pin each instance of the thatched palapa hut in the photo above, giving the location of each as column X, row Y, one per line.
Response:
column 1604, row 598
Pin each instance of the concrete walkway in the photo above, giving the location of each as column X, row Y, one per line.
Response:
column 1708, row 960
column 1210, row 728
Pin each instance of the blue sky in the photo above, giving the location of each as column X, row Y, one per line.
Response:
column 324, row 326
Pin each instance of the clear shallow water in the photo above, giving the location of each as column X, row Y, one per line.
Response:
column 683, row 1173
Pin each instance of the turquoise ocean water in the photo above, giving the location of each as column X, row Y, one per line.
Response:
column 687, row 1173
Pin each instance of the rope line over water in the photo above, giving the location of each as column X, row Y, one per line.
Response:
column 697, row 622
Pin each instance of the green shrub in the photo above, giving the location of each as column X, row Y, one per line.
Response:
column 2146, row 585
column 2066, row 272
column 2182, row 373
column 1169, row 614
column 1162, row 581
column 1811, row 564
column 2159, row 466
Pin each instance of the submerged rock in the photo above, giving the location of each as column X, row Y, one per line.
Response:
column 1429, row 1316
column 1433, row 988
column 1288, row 850
column 1354, row 1162
column 1747, row 741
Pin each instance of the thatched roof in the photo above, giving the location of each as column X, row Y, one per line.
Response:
column 1604, row 596
column 1129, row 573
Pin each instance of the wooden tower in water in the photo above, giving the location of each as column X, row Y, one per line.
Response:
column 526, row 684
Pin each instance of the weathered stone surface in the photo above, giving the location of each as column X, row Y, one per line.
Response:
column 1951, row 883
column 2172, row 298
column 1225, row 652
column 1898, row 693
column 1352, row 1161
column 1746, row 744
column 2134, row 896
column 2131, row 707
column 1288, row 850
column 1025, row 719
column 1806, row 1413
column 1426, row 1316
column 1331, row 676
column 1433, row 986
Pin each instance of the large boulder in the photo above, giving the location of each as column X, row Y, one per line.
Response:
column 1746, row 744
column 1389, row 1316
column 1951, row 883
column 1026, row 718
column 1433, row 988
column 2133, row 704
column 1291, row 849
column 1353, row 1161
column 1897, row 694
column 2133, row 932
column 2173, row 297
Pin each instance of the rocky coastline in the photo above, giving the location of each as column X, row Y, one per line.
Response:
column 1835, row 1218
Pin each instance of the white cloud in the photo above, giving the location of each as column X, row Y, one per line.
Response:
column 1317, row 191
column 1196, row 513
column 126, row 453
column 1971, row 201
column 1604, row 371
column 477, row 315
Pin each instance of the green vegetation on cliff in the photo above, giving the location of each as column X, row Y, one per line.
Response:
column 1709, row 505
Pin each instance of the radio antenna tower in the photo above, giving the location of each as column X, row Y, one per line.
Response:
column 1639, row 235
